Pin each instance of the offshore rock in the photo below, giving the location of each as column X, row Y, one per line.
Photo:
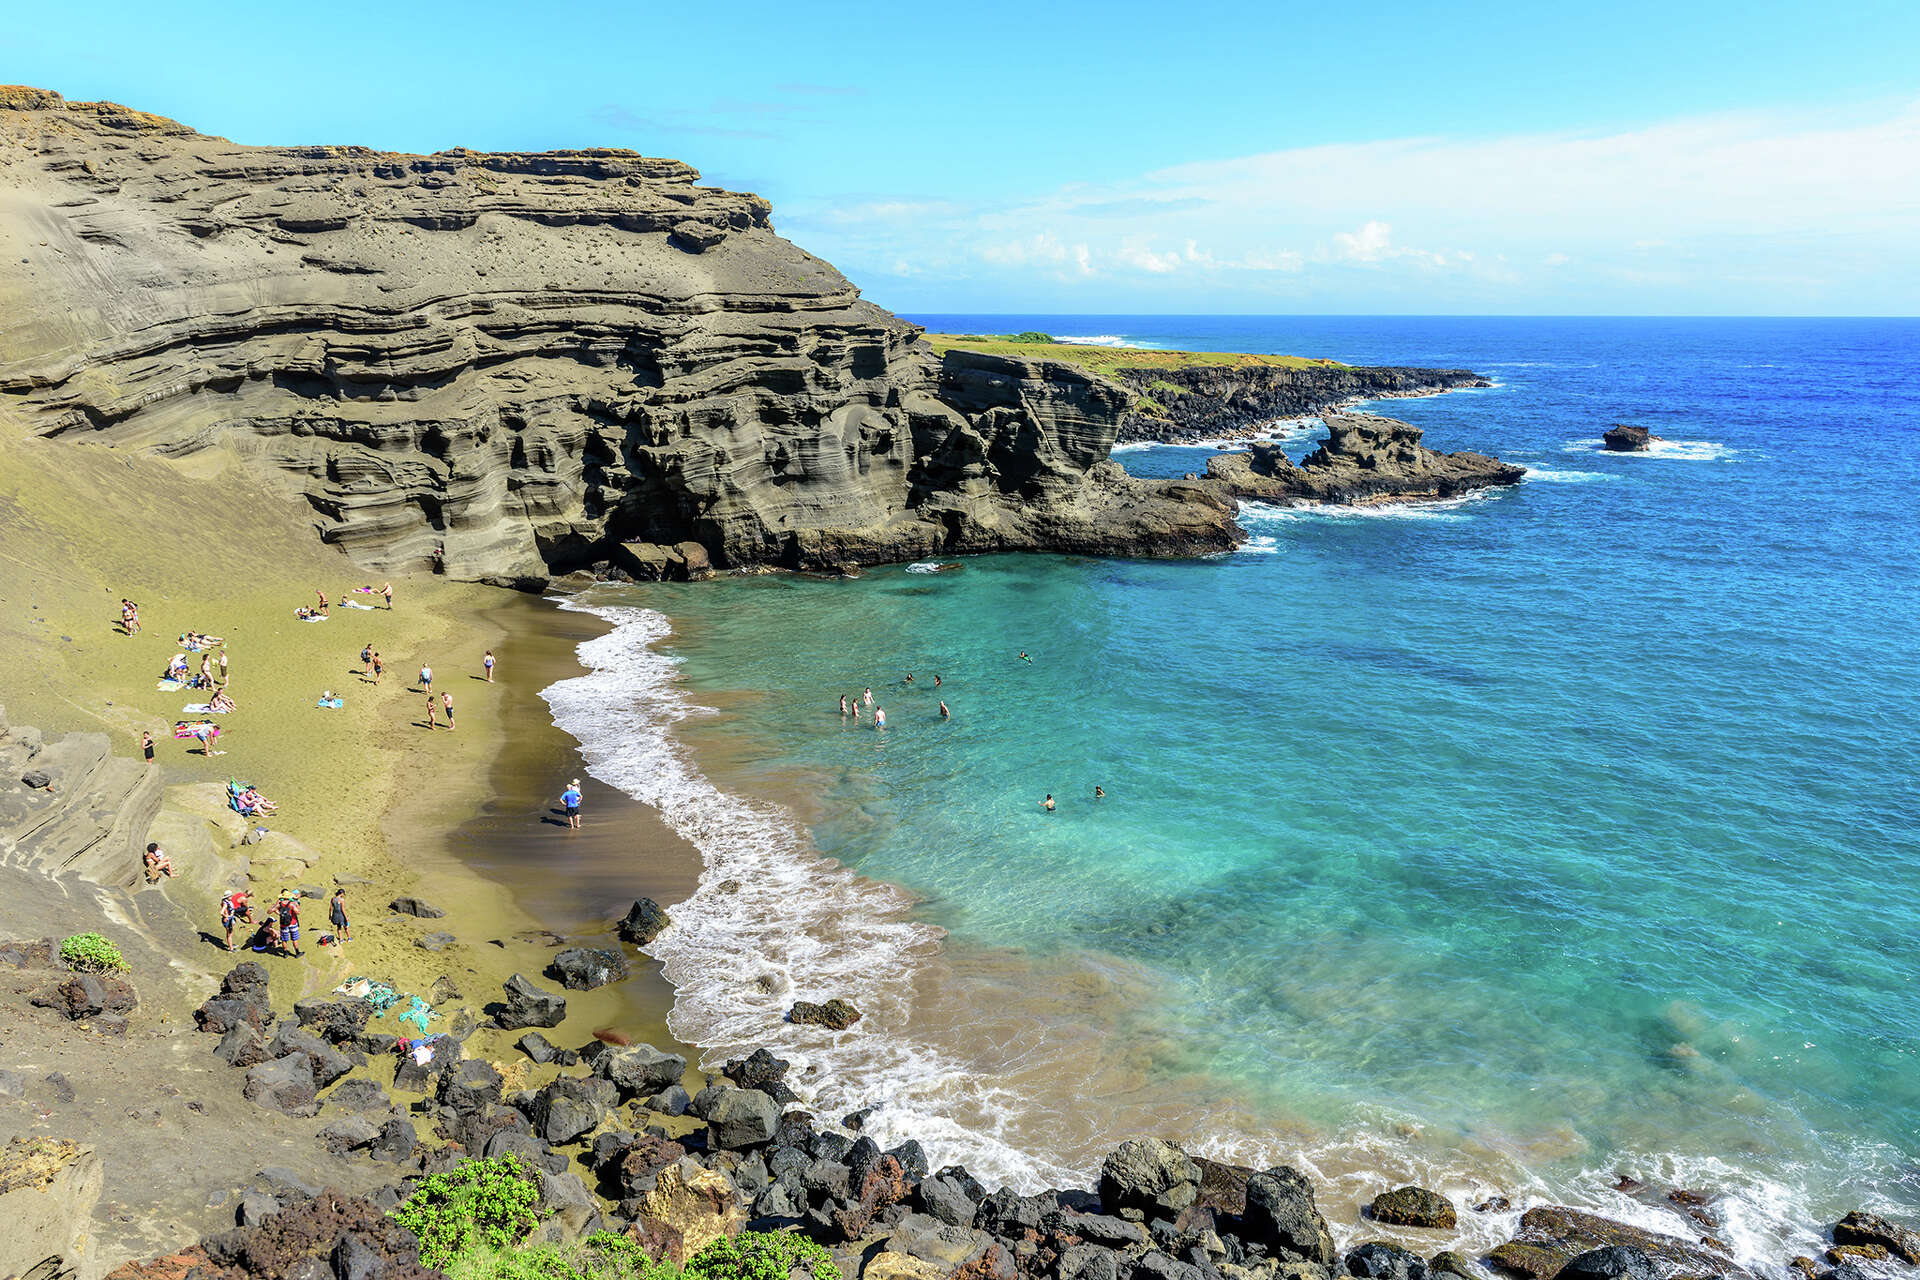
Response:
column 1622, row 437
column 1365, row 460
column 1414, row 1207
column 835, row 1015
column 507, row 366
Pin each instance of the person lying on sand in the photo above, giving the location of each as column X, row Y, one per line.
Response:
column 252, row 802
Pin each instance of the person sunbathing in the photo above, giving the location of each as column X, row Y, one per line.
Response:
column 252, row 802
column 221, row 702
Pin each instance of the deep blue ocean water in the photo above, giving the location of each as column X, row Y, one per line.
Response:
column 1567, row 830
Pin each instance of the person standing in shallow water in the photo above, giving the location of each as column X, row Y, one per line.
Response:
column 843, row 706
column 867, row 697
column 570, row 801
column 1047, row 804
column 879, row 718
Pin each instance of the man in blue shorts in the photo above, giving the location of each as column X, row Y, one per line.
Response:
column 570, row 798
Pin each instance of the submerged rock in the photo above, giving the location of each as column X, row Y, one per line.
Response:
column 835, row 1015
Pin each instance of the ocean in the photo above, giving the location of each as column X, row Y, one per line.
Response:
column 1507, row 845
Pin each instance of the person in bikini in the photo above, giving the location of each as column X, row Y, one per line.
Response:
column 433, row 709
column 157, row 863
column 944, row 713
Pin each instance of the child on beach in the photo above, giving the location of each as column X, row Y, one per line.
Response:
column 446, row 705
column 488, row 664
column 223, row 666
column 337, row 913
column 570, row 801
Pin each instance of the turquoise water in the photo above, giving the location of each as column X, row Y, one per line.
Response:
column 1562, row 830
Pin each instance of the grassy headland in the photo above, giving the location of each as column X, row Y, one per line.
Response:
column 1108, row 360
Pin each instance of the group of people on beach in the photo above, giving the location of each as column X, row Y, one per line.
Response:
column 315, row 612
column 277, row 932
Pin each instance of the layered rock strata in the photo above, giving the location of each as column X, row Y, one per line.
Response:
column 1365, row 460
column 1221, row 402
column 509, row 365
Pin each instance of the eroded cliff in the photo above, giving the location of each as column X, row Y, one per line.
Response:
column 517, row 364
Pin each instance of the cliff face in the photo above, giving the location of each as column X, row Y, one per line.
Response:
column 517, row 364
column 1210, row 402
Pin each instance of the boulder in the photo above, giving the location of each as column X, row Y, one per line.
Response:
column 414, row 1076
column 954, row 1249
column 348, row 1133
column 1613, row 1262
column 48, row 1190
column 437, row 941
column 470, row 1086
column 1160, row 1266
column 325, row 1062
column 1842, row 1254
column 1378, row 1261
column 761, row 1070
column 569, row 1107
column 1087, row 1262
column 835, row 1015
column 1281, row 1216
column 529, row 1006
column 328, row 1237
column 284, row 1085
column 1865, row 1228
column 88, row 995
column 584, row 968
column 537, row 1047
column 359, row 1095
column 741, row 1118
column 947, row 1199
column 335, row 1021
column 1622, row 437
column 1414, row 1207
column 1223, row 1187
column 689, row 1208
column 1148, row 1178
column 1551, row 1236
column 642, row 1161
column 242, row 1046
column 415, row 907
column 670, row 1101
column 643, row 922
column 639, row 1070
column 1449, row 1262
column 696, row 237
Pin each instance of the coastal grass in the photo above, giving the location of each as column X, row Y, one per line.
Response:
column 751, row 1255
column 1107, row 361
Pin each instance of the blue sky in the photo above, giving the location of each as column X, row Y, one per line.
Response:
column 1719, row 158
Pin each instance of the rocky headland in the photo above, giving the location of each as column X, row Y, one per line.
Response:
column 506, row 366
column 1211, row 402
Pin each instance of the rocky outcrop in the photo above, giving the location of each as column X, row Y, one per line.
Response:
column 1364, row 460
column 48, row 1189
column 1414, row 1207
column 835, row 1014
column 508, row 365
column 1623, row 437
column 70, row 806
column 1551, row 1236
column 1218, row 402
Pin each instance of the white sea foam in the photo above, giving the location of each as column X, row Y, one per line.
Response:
column 772, row 921
column 1672, row 450
column 925, row 566
column 1095, row 340
column 1445, row 509
column 1553, row 476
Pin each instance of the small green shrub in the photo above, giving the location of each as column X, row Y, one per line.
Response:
column 601, row 1256
column 91, row 953
column 1030, row 335
column 760, row 1255
column 477, row 1205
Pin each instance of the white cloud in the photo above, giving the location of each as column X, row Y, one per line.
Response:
column 1787, row 210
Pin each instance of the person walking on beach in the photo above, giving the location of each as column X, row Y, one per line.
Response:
column 146, row 746
column 446, row 704
column 337, row 913
column 387, row 591
column 432, row 709
column 378, row 667
column 426, row 677
column 366, row 660
column 487, row 662
column 570, row 801
column 323, row 601
column 234, row 908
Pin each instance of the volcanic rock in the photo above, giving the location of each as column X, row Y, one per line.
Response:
column 689, row 1208
column 529, row 1006
column 1148, row 1178
column 1281, row 1215
column 284, row 1084
column 1414, row 1207
column 1378, row 1261
column 741, row 1118
column 1551, row 1236
column 835, row 1015
column 584, row 968
column 415, row 907
column 643, row 922
column 1865, row 1228
column 48, row 1190
column 1365, row 460
column 640, row 1070
column 1624, row 438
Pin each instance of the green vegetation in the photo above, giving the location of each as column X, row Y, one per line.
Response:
column 1108, row 360
column 476, row 1206
column 1030, row 335
column 760, row 1255
column 91, row 953
column 753, row 1255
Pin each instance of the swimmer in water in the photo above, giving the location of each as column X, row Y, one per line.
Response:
column 856, row 713
column 843, row 706
column 1024, row 657
column 879, row 718
column 867, row 697
column 936, row 680
column 944, row 713
column 1047, row 804
column 909, row 679
column 1099, row 793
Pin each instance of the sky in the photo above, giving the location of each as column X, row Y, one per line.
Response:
column 1388, row 157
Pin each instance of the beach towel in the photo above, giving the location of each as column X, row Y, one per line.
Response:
column 318, row 617
column 201, row 709
column 194, row 728
column 331, row 704
column 171, row 686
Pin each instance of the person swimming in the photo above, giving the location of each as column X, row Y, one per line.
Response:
column 867, row 697
column 843, row 706
column 879, row 718
column 1024, row 657
column 1099, row 793
column 936, row 680
column 1047, row 804
column 944, row 713
column 909, row 679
